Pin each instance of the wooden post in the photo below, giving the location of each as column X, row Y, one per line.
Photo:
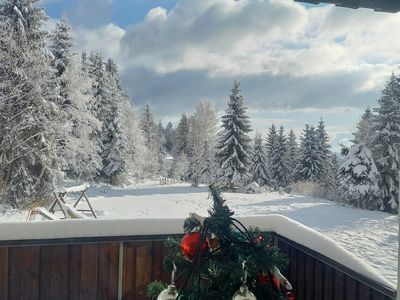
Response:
column 398, row 252
column 120, row 270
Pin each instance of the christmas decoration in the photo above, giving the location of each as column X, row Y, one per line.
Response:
column 243, row 293
column 289, row 296
column 264, row 278
column 281, row 279
column 259, row 239
column 277, row 283
column 170, row 293
column 210, row 255
column 190, row 244
column 213, row 242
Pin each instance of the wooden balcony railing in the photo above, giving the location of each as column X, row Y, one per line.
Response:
column 99, row 265
column 317, row 277
column 120, row 267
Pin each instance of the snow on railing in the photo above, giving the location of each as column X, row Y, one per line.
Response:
column 292, row 230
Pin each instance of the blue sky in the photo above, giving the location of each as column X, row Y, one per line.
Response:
column 120, row 12
column 297, row 63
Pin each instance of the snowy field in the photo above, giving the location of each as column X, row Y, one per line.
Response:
column 372, row 236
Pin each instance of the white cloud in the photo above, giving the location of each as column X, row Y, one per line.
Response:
column 247, row 37
column 325, row 61
column 106, row 40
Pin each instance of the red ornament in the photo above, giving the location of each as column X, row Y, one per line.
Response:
column 190, row 244
column 264, row 278
column 289, row 296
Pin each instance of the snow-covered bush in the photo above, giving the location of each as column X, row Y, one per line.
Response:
column 252, row 188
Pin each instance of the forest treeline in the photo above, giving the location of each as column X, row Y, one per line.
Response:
column 65, row 115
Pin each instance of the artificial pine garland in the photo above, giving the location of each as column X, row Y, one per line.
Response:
column 210, row 259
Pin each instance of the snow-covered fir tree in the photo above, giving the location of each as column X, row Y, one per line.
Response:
column 233, row 142
column 325, row 177
column 359, row 178
column 278, row 165
column 333, row 192
column 259, row 169
column 96, row 72
column 61, row 46
column 310, row 162
column 292, row 156
column 27, row 105
column 386, row 142
column 169, row 137
column 137, row 150
column 77, row 143
column 270, row 143
column 365, row 129
column 151, row 165
column 110, row 105
column 182, row 142
column 148, row 126
column 202, row 130
column 207, row 167
column 162, row 151
column 115, row 141
column 180, row 167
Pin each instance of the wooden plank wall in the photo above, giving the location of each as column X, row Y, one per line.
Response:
column 82, row 269
column 314, row 279
column 79, row 271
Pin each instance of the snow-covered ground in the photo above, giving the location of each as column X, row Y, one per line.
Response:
column 370, row 235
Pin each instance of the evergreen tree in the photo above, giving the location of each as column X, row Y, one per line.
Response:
column 96, row 71
column 292, row 156
column 202, row 130
column 169, row 137
column 180, row 167
column 27, row 108
column 151, row 142
column 206, row 165
column 278, row 165
column 325, row 177
column 324, row 148
column 61, row 46
column 359, row 178
column 333, row 193
column 148, row 127
column 270, row 143
column 182, row 143
column 259, row 169
column 365, row 129
column 110, row 106
column 233, row 144
column 115, row 142
column 386, row 142
column 310, row 163
column 136, row 151
column 215, row 271
column 78, row 146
